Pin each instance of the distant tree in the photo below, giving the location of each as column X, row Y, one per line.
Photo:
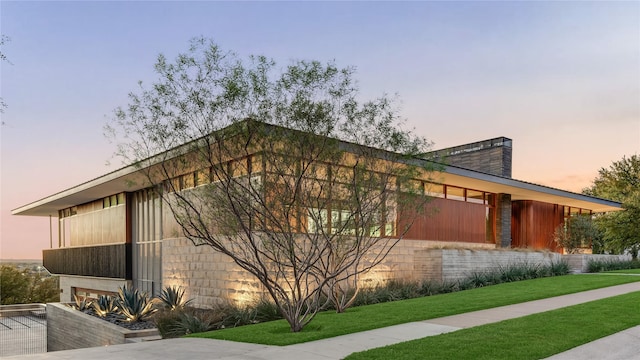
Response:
column 25, row 287
column 620, row 182
column 290, row 174
column 44, row 289
column 14, row 285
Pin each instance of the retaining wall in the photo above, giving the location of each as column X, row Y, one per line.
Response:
column 580, row 262
column 68, row 328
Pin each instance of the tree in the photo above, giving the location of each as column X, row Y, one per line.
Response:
column 287, row 173
column 620, row 182
column 24, row 287
column 576, row 233
column 14, row 285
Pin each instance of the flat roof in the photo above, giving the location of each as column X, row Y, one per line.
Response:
column 129, row 179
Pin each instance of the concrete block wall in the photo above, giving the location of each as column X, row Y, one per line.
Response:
column 455, row 264
column 68, row 328
column 67, row 282
column 407, row 261
column 580, row 262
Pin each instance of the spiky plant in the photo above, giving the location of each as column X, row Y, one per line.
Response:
column 134, row 305
column 81, row 304
column 172, row 298
column 105, row 305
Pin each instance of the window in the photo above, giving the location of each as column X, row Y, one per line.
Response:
column 475, row 197
column 317, row 221
column 434, row 190
column 455, row 193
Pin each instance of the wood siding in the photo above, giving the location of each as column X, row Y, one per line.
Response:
column 533, row 224
column 111, row 261
column 98, row 226
column 448, row 220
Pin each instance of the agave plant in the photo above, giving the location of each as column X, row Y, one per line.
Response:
column 133, row 304
column 81, row 304
column 173, row 298
column 105, row 305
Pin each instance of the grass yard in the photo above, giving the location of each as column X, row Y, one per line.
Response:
column 329, row 324
column 531, row 337
column 626, row 271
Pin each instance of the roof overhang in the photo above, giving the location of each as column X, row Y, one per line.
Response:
column 522, row 190
column 125, row 179
column 131, row 179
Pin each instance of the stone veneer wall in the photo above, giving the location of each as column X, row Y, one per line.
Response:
column 503, row 220
column 210, row 277
column 68, row 328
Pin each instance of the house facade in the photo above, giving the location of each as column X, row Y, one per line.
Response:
column 115, row 230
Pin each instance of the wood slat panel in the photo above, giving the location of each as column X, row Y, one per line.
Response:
column 533, row 224
column 448, row 220
column 111, row 261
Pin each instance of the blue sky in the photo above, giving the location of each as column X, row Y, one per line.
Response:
column 562, row 79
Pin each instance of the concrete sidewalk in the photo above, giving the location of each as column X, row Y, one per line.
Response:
column 626, row 343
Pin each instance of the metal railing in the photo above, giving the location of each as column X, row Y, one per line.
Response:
column 23, row 329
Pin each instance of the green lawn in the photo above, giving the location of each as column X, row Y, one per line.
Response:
column 329, row 324
column 531, row 337
column 627, row 271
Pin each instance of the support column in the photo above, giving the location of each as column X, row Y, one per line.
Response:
column 503, row 220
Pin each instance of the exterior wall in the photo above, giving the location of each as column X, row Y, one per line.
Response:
column 85, row 282
column 453, row 264
column 503, row 221
column 533, row 224
column 580, row 262
column 68, row 329
column 94, row 225
column 110, row 261
column 449, row 220
column 492, row 156
column 207, row 276
column 210, row 277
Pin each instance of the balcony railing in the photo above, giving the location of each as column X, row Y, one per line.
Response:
column 111, row 261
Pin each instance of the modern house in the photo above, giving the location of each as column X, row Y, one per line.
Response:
column 114, row 230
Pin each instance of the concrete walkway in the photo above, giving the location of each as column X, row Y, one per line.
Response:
column 624, row 345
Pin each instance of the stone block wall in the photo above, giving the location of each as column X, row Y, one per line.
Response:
column 208, row 277
column 454, row 264
column 580, row 262
column 68, row 328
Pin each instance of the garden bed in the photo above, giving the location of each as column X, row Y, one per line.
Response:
column 68, row 328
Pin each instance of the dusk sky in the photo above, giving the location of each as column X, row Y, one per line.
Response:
column 562, row 79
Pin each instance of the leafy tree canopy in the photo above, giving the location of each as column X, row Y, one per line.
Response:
column 25, row 287
column 620, row 182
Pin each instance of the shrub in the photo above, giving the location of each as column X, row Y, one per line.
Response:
column 266, row 310
column 173, row 298
column 133, row 304
column 104, row 305
column 558, row 268
column 609, row 265
column 81, row 304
